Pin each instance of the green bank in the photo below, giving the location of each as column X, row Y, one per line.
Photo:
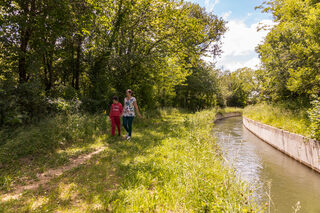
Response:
column 171, row 164
column 293, row 120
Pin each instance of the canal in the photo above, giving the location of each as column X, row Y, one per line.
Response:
column 269, row 172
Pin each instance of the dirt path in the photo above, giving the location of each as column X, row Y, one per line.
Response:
column 45, row 177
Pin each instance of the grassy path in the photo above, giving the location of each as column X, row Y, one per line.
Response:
column 44, row 178
column 171, row 165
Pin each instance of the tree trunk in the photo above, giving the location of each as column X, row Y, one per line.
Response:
column 29, row 8
column 48, row 75
column 101, row 61
column 78, row 60
column 22, row 67
column 72, row 63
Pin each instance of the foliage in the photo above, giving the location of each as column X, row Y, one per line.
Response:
column 280, row 116
column 239, row 88
column 200, row 90
column 289, row 53
column 23, row 104
column 314, row 115
column 92, row 50
column 171, row 164
column 289, row 76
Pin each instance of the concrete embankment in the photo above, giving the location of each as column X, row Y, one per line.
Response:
column 302, row 149
column 220, row 116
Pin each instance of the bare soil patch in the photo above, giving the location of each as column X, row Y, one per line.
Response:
column 45, row 177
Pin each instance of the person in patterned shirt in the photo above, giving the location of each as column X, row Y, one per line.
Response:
column 130, row 105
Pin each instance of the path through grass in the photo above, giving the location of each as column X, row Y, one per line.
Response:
column 171, row 165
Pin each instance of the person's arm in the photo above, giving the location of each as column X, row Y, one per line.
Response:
column 110, row 111
column 137, row 108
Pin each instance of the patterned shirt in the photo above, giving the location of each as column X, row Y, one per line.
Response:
column 128, row 110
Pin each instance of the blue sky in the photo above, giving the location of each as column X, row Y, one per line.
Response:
column 242, row 37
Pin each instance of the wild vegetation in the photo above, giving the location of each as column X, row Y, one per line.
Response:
column 61, row 64
column 171, row 166
column 289, row 78
column 289, row 52
column 280, row 116
column 92, row 50
column 27, row 151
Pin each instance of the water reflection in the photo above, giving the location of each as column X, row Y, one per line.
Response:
column 259, row 163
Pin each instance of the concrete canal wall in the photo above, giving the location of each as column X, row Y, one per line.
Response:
column 220, row 116
column 302, row 149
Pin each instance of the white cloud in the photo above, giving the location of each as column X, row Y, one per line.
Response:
column 226, row 15
column 239, row 45
column 210, row 4
column 233, row 65
column 241, row 39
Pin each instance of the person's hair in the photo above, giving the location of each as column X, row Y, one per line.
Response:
column 115, row 98
column 130, row 91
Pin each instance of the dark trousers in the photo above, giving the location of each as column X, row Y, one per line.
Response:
column 127, row 124
column 115, row 121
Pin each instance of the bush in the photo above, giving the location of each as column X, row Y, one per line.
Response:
column 61, row 105
column 22, row 104
column 314, row 115
column 28, row 104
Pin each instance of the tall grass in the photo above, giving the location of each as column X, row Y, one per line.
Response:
column 50, row 143
column 183, row 173
column 295, row 121
column 171, row 164
column 229, row 109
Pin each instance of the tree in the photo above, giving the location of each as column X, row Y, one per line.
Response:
column 240, row 87
column 289, row 53
column 201, row 89
column 94, row 49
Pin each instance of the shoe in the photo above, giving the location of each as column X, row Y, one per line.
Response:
column 128, row 138
column 127, row 135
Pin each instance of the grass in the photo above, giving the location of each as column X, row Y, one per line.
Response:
column 295, row 121
column 229, row 110
column 171, row 165
column 27, row 151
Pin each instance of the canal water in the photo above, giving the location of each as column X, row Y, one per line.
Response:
column 270, row 172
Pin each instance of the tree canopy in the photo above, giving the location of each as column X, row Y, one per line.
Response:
column 90, row 50
column 290, row 52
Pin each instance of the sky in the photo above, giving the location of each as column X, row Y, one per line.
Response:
column 242, row 37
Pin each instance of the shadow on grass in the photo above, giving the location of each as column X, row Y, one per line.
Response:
column 49, row 144
column 98, row 184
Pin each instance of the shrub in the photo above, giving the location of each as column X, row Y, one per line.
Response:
column 22, row 104
column 314, row 115
column 28, row 104
column 66, row 106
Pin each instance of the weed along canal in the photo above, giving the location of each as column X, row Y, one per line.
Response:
column 290, row 184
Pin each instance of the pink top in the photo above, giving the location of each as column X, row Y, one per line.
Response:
column 116, row 110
